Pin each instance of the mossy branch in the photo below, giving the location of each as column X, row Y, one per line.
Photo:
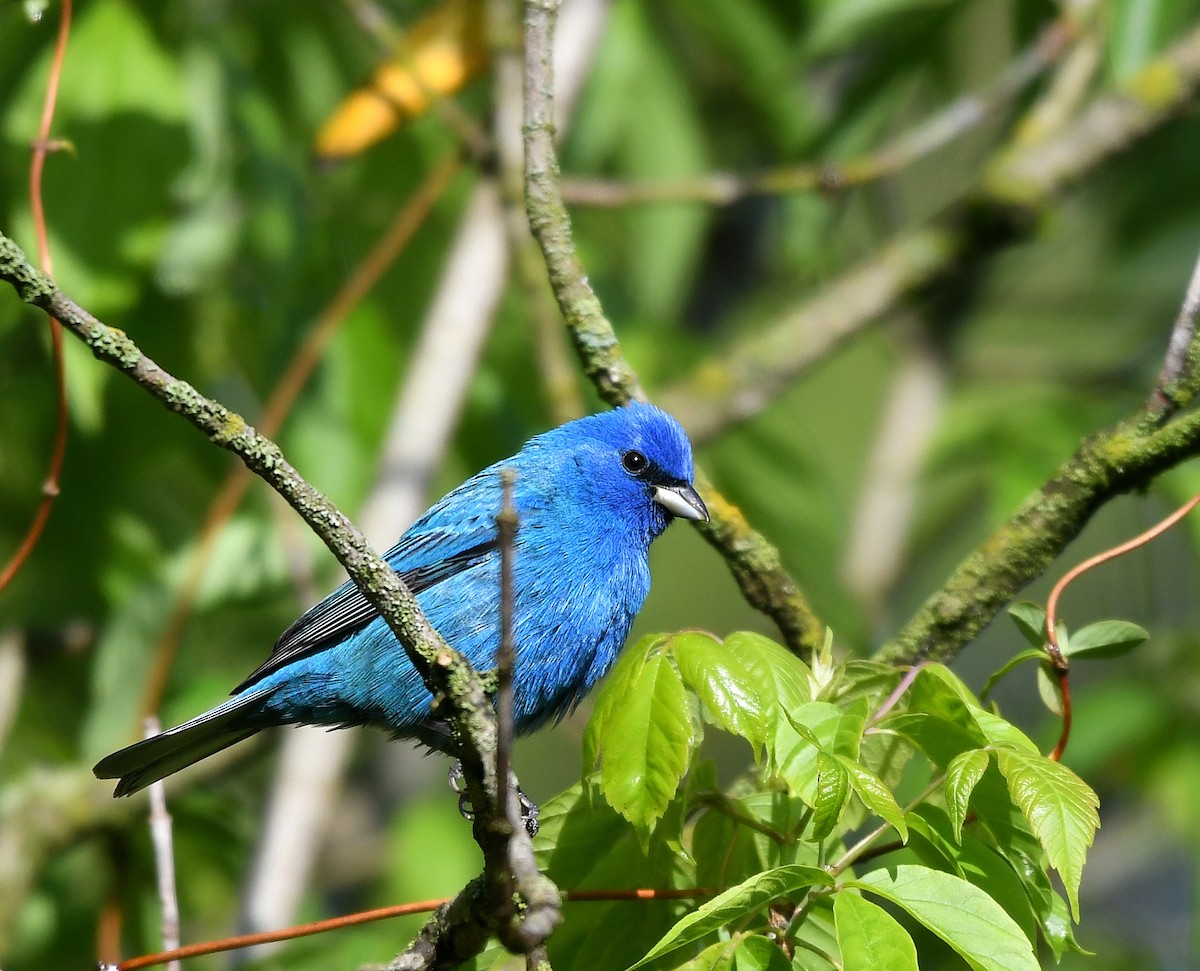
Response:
column 459, row 693
column 1122, row 459
column 755, row 563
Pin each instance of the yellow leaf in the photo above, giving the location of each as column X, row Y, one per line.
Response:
column 441, row 53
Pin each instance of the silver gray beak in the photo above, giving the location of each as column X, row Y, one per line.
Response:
column 681, row 501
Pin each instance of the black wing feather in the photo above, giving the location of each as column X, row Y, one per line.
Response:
column 347, row 610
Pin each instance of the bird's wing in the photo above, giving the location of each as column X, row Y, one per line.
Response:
column 428, row 554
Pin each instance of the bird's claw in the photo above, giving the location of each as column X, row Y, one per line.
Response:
column 529, row 809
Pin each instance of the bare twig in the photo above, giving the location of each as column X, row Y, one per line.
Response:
column 1181, row 364
column 506, row 528
column 424, row 414
column 164, row 858
column 12, row 678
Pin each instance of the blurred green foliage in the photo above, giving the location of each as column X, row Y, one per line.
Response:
column 185, row 210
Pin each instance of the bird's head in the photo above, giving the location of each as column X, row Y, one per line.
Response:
column 638, row 463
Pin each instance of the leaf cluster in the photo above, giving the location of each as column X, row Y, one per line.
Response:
column 864, row 818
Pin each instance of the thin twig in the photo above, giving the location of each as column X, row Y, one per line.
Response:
column 898, row 692
column 164, row 858
column 41, row 147
column 506, row 653
column 1180, row 363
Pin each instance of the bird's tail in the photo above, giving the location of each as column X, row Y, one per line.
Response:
column 151, row 759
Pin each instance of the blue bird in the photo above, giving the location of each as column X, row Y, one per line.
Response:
column 591, row 496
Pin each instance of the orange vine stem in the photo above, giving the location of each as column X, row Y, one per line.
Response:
column 1061, row 667
column 369, row 916
column 41, row 147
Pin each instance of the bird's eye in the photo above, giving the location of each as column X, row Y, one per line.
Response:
column 634, row 462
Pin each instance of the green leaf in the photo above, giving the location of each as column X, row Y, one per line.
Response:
column 962, row 775
column 715, row 957
column 971, row 858
column 614, row 690
column 726, row 689
column 1030, row 619
column 737, row 902
column 1058, row 930
column 646, row 744
column 758, row 953
column 958, row 912
column 875, row 795
column 1029, row 654
column 1049, row 690
column 832, row 788
column 1060, row 809
column 1105, row 639
column 870, row 938
column 1000, row 732
column 798, row 739
column 782, row 679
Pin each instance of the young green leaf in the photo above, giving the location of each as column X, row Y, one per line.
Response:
column 875, row 795
column 613, row 692
column 962, row 775
column 1060, row 809
column 715, row 957
column 1105, row 639
column 719, row 678
column 1030, row 619
column 646, row 744
column 799, row 736
column 869, row 937
column 1029, row 654
column 782, row 679
column 735, row 903
column 832, row 789
column 1049, row 690
column 958, row 912
column 758, row 953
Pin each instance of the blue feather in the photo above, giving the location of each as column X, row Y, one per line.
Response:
column 591, row 496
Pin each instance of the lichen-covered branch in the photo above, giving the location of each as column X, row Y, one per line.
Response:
column 1113, row 462
column 459, row 692
column 754, row 562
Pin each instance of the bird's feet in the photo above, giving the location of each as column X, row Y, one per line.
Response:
column 529, row 809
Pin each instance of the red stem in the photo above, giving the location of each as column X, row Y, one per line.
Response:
column 1061, row 667
column 382, row 913
column 50, row 487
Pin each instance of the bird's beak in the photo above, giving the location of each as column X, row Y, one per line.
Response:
column 682, row 501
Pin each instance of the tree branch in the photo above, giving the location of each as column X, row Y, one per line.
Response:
column 754, row 562
column 455, row 685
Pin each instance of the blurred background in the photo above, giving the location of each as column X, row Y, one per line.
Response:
column 878, row 354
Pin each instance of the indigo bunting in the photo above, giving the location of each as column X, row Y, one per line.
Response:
column 591, row 496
